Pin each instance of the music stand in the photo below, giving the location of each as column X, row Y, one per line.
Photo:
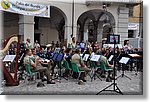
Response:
column 95, row 58
column 135, row 56
column 114, row 84
column 86, row 57
column 110, row 58
column 123, row 61
column 9, row 58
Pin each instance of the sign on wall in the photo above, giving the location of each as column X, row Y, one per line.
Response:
column 25, row 8
column 133, row 26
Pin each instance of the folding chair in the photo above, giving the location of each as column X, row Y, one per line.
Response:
column 67, row 67
column 94, row 68
column 104, row 68
column 76, row 69
column 29, row 74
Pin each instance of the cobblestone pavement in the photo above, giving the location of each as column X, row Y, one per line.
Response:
column 133, row 86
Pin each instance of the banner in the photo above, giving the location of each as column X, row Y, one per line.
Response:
column 25, row 8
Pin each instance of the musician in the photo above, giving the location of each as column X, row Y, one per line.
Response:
column 82, row 46
column 41, row 53
column 77, row 59
column 73, row 44
column 11, row 50
column 22, row 48
column 105, row 60
column 49, row 53
column 67, row 57
column 28, row 44
column 35, row 66
column 107, row 53
column 36, row 44
column 127, row 46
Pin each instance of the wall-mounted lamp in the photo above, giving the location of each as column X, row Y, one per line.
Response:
column 104, row 6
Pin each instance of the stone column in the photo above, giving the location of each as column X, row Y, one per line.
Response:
column 95, row 23
column 68, row 32
column 75, row 31
column 86, row 35
column 100, row 33
column 26, row 27
column 99, row 36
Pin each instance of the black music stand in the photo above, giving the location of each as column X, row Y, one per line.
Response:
column 123, row 61
column 114, row 84
column 94, row 59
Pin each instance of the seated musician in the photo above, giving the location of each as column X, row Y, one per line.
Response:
column 107, row 53
column 41, row 53
column 105, row 60
column 35, row 66
column 108, row 65
column 43, row 62
column 49, row 53
column 82, row 67
column 67, row 57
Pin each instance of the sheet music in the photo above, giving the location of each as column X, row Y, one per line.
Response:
column 124, row 60
column 9, row 58
column 119, row 46
column 134, row 55
column 112, row 45
column 47, row 60
column 86, row 56
column 110, row 58
column 81, row 55
column 95, row 58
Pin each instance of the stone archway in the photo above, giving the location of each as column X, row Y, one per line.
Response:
column 91, row 23
column 106, row 26
column 51, row 29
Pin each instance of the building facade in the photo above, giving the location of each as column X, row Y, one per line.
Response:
column 135, row 25
column 88, row 20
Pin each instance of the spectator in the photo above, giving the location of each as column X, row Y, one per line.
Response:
column 82, row 46
column 28, row 44
column 36, row 44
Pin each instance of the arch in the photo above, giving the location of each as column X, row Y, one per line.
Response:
column 60, row 20
column 90, row 14
column 111, row 17
column 96, row 15
column 53, row 28
column 60, row 11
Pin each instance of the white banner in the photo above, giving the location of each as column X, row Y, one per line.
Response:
column 25, row 8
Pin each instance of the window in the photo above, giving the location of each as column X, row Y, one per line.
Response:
column 130, row 11
column 130, row 33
